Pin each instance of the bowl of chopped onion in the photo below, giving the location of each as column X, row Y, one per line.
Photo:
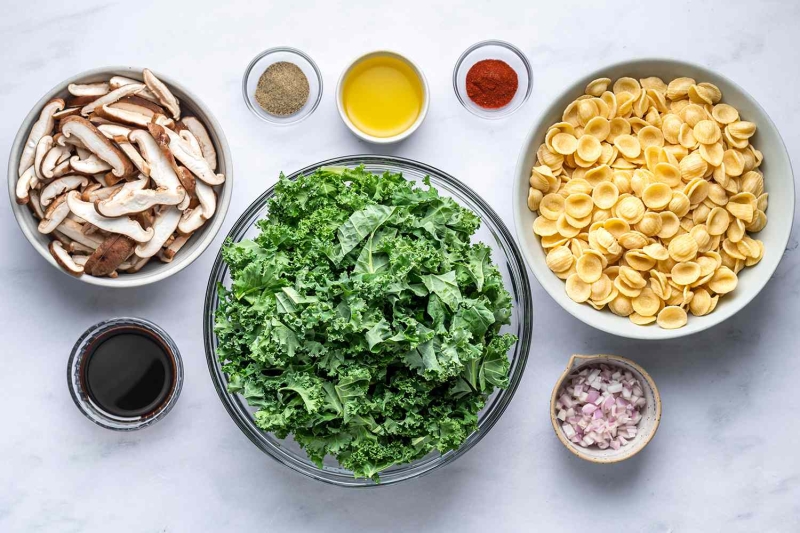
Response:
column 605, row 408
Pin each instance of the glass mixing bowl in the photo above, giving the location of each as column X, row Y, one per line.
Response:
column 505, row 254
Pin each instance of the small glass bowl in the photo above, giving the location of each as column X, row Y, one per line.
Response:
column 503, row 51
column 85, row 403
column 273, row 55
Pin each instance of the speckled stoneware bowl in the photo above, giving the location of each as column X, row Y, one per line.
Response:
column 651, row 415
column 155, row 270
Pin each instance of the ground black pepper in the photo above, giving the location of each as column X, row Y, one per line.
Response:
column 282, row 89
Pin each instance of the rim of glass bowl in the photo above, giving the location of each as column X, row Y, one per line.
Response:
column 495, row 406
column 503, row 112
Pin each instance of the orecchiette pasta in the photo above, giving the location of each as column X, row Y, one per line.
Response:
column 647, row 193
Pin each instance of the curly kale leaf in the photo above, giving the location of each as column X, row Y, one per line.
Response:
column 362, row 320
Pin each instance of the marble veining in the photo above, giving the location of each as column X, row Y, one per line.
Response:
column 725, row 457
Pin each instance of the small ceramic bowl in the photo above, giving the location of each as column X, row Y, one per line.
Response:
column 651, row 414
column 155, row 270
column 257, row 67
column 371, row 138
column 503, row 51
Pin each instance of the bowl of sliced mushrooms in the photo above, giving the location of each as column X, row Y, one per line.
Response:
column 120, row 177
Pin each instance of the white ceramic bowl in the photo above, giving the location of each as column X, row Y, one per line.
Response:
column 154, row 270
column 778, row 182
column 370, row 138
column 647, row 427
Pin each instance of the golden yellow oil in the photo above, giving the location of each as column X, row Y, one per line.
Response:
column 382, row 96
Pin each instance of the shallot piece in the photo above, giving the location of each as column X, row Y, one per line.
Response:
column 600, row 406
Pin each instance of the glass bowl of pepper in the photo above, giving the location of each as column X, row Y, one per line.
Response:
column 492, row 79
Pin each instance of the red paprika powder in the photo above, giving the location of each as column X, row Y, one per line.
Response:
column 491, row 83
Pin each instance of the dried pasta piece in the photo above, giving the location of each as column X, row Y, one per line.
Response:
column 670, row 224
column 741, row 129
column 544, row 227
column 564, row 143
column 589, row 266
column 602, row 289
column 577, row 289
column 686, row 273
column 589, row 149
column 628, row 145
column 560, row 259
column 598, row 87
column 686, row 137
column 696, row 190
column 752, row 182
column 647, row 303
column 718, row 221
column 564, row 228
column 712, row 153
column 701, row 302
column 657, row 196
column 650, row 224
column 628, row 85
column 657, row 251
column 693, row 166
column 578, row 205
column 759, row 222
column 679, row 88
column 683, row 248
column 650, row 136
column 605, row 195
column 707, row 132
column 742, row 206
column 630, row 209
column 598, row 127
column 638, row 260
column 672, row 317
column 633, row 240
column 734, row 162
column 724, row 281
column 551, row 206
column 534, row 198
column 725, row 114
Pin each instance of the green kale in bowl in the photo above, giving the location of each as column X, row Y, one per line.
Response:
column 362, row 320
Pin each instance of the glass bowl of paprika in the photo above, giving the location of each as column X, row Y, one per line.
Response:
column 492, row 79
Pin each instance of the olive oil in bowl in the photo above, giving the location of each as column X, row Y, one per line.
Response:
column 382, row 97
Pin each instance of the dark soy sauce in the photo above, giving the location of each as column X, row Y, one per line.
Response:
column 128, row 372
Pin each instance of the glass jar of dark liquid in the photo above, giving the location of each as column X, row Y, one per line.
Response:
column 125, row 373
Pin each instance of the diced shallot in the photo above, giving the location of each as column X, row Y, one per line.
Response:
column 600, row 406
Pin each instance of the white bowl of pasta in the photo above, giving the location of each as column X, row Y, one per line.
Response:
column 653, row 199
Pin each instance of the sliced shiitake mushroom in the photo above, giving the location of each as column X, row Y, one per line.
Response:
column 162, row 92
column 201, row 134
column 111, row 97
column 44, row 146
column 164, row 225
column 118, row 81
column 88, row 89
column 98, row 144
column 64, row 260
column 43, row 126
column 89, row 166
column 121, row 225
column 56, row 214
column 60, row 186
column 74, row 231
column 24, row 184
column 113, row 251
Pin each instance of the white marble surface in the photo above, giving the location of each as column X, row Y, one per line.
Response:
column 725, row 458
